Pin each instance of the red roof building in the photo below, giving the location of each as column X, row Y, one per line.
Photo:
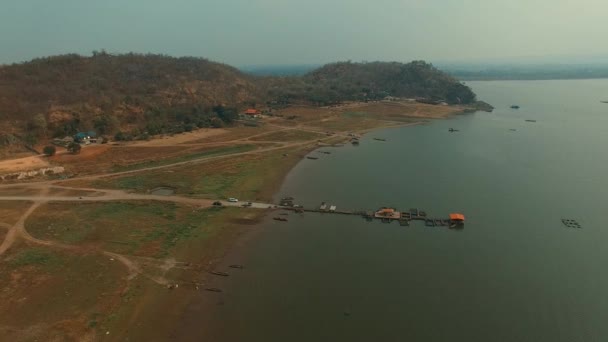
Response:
column 252, row 111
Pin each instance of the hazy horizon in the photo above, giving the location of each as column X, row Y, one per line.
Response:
column 288, row 32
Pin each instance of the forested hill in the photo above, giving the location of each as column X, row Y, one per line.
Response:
column 57, row 96
column 342, row 81
column 62, row 94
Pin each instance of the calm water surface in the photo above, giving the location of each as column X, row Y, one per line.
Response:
column 514, row 274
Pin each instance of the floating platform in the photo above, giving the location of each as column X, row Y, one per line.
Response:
column 388, row 215
column 570, row 223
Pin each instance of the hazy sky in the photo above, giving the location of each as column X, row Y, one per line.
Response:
column 242, row 32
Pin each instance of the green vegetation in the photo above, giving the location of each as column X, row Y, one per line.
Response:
column 347, row 81
column 245, row 177
column 211, row 153
column 49, row 150
column 74, row 148
column 134, row 96
column 34, row 256
column 144, row 228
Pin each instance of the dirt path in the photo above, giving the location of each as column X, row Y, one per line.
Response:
column 18, row 229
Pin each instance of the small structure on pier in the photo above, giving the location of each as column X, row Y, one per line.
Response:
column 456, row 219
column 388, row 213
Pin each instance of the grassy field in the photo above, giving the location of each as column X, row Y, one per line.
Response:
column 138, row 228
column 235, row 133
column 251, row 177
column 288, row 135
column 219, row 151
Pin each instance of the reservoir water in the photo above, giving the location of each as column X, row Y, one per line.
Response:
column 515, row 273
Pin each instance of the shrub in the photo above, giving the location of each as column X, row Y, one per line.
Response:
column 49, row 150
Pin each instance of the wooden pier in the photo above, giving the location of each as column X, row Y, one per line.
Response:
column 387, row 215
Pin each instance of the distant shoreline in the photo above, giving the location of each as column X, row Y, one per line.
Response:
column 530, row 79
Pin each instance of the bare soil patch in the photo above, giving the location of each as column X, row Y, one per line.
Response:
column 187, row 137
column 23, row 164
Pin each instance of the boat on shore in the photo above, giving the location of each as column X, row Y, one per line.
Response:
column 380, row 139
column 312, row 158
column 223, row 274
column 282, row 219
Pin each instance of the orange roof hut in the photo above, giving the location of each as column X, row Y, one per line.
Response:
column 457, row 217
column 386, row 212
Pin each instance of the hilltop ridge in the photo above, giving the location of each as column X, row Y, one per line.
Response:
column 59, row 95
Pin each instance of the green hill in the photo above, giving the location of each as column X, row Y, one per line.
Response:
column 347, row 81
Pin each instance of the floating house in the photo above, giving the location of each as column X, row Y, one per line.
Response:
column 457, row 219
column 387, row 213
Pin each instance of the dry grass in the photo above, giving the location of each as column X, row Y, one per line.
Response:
column 106, row 158
column 288, row 135
column 23, row 164
column 49, row 295
column 235, row 133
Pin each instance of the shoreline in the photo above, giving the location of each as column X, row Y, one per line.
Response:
column 200, row 307
column 144, row 309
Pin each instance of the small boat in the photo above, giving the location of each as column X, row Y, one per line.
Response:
column 380, row 139
column 355, row 142
column 514, row 107
column 604, row 101
column 530, row 120
column 282, row 219
column 236, row 266
column 451, row 130
column 313, row 158
column 213, row 289
column 512, row 129
column 223, row 274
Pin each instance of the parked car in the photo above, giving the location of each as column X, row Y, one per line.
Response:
column 233, row 200
column 217, row 203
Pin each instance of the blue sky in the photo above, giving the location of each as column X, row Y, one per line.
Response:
column 242, row 32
